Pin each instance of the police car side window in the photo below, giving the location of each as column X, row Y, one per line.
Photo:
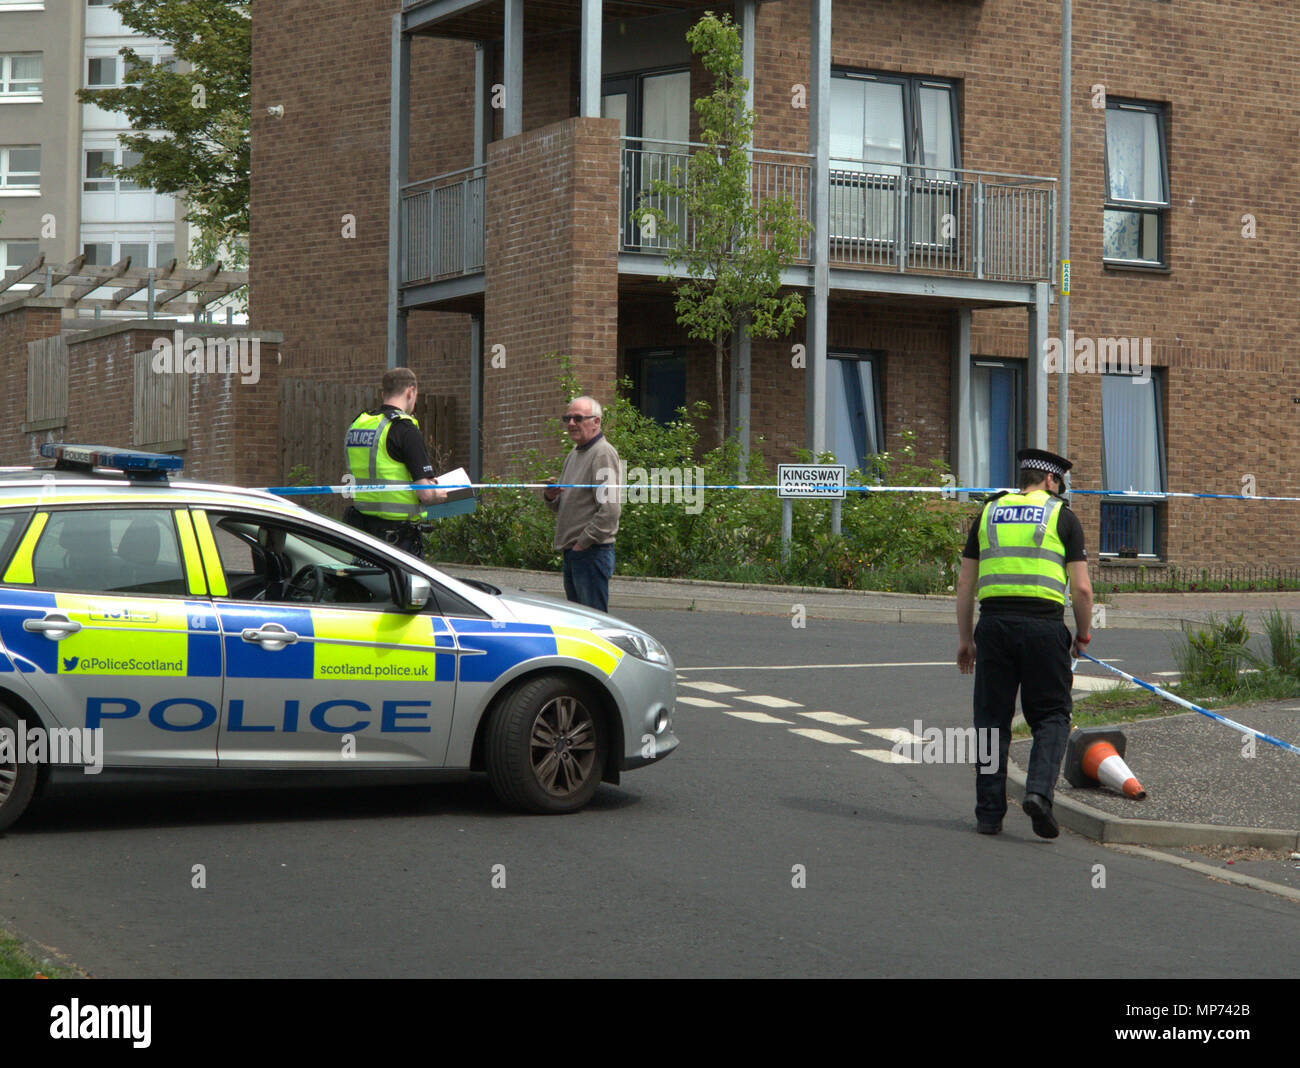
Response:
column 110, row 550
column 281, row 563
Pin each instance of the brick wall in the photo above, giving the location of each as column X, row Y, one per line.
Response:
column 19, row 324
column 232, row 424
column 1225, row 69
column 552, row 276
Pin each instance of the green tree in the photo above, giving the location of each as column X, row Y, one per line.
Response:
column 192, row 126
column 732, row 243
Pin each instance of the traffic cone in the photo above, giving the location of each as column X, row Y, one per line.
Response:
column 1095, row 756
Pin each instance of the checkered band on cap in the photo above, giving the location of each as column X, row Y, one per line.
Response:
column 1043, row 465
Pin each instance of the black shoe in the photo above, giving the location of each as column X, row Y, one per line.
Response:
column 990, row 828
column 1039, row 811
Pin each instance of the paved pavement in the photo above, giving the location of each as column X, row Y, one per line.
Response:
column 1202, row 792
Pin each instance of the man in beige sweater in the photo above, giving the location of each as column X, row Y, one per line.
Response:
column 586, row 520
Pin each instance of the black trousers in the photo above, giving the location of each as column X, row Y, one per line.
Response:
column 404, row 536
column 1030, row 654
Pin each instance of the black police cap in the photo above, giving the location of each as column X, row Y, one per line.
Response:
column 1042, row 460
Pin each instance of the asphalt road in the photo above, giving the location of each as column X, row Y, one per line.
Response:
column 754, row 851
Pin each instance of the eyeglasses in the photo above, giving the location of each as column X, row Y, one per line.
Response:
column 575, row 418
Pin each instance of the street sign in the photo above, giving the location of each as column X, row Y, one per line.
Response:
column 820, row 481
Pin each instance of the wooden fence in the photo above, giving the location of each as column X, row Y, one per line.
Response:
column 47, row 383
column 315, row 416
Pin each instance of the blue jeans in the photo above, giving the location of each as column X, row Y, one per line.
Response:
column 586, row 575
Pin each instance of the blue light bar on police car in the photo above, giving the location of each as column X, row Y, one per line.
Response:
column 132, row 462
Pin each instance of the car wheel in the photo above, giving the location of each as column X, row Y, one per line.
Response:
column 17, row 780
column 546, row 746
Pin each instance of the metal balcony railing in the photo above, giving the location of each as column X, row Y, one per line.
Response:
column 442, row 226
column 645, row 161
column 883, row 216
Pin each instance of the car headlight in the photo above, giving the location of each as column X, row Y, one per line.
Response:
column 642, row 646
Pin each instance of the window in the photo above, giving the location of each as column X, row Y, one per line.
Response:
column 98, row 179
column 108, row 69
column 658, row 382
column 20, row 167
column 1133, row 458
column 1137, row 183
column 17, row 254
column 892, row 135
column 854, row 431
column 101, row 72
column 998, row 419
column 145, row 251
column 21, row 74
column 655, row 106
column 110, row 551
column 268, row 561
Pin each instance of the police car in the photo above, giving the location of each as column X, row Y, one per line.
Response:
column 171, row 625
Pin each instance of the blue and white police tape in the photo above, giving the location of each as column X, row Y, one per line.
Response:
column 349, row 489
column 1195, row 708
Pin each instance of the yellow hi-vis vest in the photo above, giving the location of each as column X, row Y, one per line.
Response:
column 1021, row 553
column 369, row 462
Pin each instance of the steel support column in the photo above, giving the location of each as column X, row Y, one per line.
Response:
column 589, row 63
column 1036, row 387
column 819, row 131
column 962, row 404
column 399, row 139
column 476, row 398
column 513, row 69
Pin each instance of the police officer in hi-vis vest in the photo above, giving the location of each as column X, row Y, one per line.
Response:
column 1018, row 557
column 386, row 446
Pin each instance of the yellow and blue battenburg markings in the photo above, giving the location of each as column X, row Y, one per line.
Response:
column 154, row 638
column 340, row 645
column 506, row 644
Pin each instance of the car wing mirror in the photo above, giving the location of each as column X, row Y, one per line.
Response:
column 416, row 592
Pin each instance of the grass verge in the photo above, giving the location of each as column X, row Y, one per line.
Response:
column 1127, row 704
column 17, row 963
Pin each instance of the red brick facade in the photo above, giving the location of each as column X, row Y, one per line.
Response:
column 552, row 233
column 232, row 426
column 1223, row 70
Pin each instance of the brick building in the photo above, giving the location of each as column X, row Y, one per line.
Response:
column 461, row 174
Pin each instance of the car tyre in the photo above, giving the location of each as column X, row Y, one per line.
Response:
column 17, row 780
column 546, row 745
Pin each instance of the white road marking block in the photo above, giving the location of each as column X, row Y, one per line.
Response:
column 885, row 756
column 767, row 701
column 823, row 736
column 699, row 702
column 895, row 734
column 1091, row 683
column 712, row 687
column 835, row 719
column 756, row 717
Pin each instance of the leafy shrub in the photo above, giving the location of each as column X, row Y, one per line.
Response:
column 1211, row 657
column 888, row 541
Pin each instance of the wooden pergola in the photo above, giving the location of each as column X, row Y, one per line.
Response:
column 135, row 289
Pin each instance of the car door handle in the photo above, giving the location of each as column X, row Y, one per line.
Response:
column 54, row 626
column 270, row 636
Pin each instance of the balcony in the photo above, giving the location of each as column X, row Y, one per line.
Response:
column 980, row 227
column 442, row 227
column 883, row 216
